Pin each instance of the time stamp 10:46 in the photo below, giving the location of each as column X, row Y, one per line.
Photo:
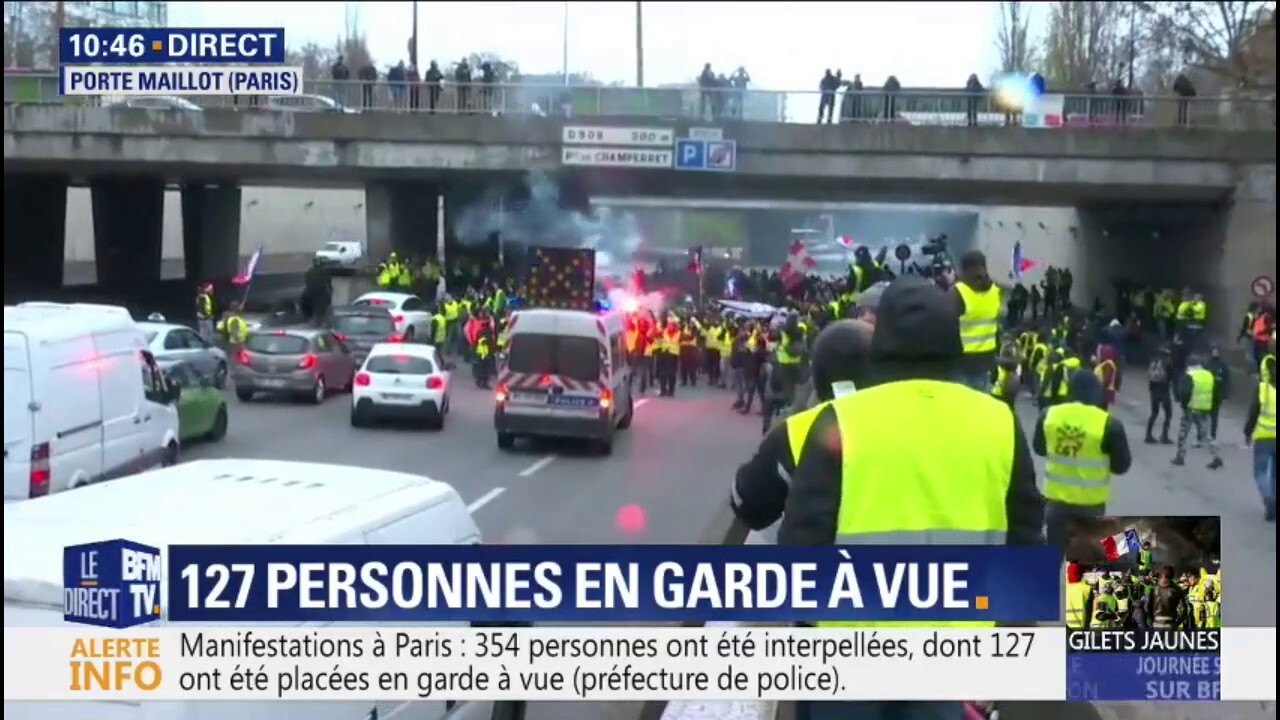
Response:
column 172, row 45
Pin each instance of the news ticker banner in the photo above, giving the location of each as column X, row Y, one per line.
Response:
column 175, row 62
column 117, row 583
column 624, row 663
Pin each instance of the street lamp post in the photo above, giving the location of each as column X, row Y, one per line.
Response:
column 639, row 44
column 564, row 50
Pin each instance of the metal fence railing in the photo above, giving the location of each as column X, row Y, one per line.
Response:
column 909, row 106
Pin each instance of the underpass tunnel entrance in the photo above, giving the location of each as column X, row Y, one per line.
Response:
column 1158, row 246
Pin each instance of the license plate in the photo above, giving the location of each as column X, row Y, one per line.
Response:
column 527, row 396
column 395, row 396
column 272, row 383
column 572, row 401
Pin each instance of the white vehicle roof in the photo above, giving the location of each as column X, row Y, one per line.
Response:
column 215, row 502
column 566, row 322
column 387, row 297
column 55, row 322
column 404, row 349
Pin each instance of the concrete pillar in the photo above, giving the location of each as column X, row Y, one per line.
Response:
column 128, row 231
column 1245, row 239
column 35, row 226
column 400, row 216
column 210, row 231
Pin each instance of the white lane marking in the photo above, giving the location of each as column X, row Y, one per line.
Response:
column 537, row 466
column 485, row 499
column 640, row 403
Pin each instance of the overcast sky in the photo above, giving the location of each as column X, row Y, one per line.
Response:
column 783, row 45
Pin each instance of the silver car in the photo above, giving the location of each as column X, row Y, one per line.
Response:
column 168, row 341
column 297, row 362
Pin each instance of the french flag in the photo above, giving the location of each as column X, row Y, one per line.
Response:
column 1118, row 546
column 1019, row 264
column 798, row 265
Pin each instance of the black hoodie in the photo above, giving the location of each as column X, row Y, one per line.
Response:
column 917, row 337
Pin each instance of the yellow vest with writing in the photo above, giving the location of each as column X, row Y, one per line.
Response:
column 1265, row 429
column 952, row 495
column 1076, row 471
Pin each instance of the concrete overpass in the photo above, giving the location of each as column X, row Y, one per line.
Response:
column 406, row 161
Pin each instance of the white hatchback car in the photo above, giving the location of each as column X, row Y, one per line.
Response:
column 410, row 313
column 401, row 381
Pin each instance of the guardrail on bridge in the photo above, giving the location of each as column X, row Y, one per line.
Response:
column 908, row 106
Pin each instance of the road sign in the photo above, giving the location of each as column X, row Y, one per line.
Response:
column 616, row 157
column 1262, row 286
column 706, row 133
column 711, row 155
column 618, row 136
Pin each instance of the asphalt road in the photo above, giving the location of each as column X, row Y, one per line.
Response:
column 670, row 473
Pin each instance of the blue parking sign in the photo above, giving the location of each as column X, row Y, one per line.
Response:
column 691, row 154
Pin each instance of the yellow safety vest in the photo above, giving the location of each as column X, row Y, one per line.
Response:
column 1212, row 614
column 785, row 356
column 451, row 310
column 1108, row 602
column 1265, row 429
column 1201, row 390
column 798, row 426
column 952, row 495
column 1077, row 601
column 980, row 323
column 439, row 328
column 1076, row 471
column 1002, row 377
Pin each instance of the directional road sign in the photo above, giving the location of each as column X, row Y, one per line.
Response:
column 707, row 155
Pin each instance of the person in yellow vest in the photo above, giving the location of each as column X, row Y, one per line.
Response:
column 1051, row 381
column 668, row 358
column 1079, row 599
column 1005, row 382
column 232, row 326
column 979, row 304
column 1106, row 608
column 789, row 356
column 1083, row 447
column 204, row 311
column 688, row 354
column 1144, row 558
column 439, row 330
column 1260, row 430
column 862, row 480
column 483, row 368
column 1195, row 392
column 1210, row 612
column 1192, row 315
column 840, row 367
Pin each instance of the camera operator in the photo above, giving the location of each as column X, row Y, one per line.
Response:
column 979, row 304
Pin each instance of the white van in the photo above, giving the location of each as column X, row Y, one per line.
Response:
column 565, row 374
column 83, row 399
column 222, row 502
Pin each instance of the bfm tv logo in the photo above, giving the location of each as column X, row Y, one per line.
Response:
column 114, row 584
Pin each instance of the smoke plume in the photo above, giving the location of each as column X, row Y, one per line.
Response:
column 536, row 213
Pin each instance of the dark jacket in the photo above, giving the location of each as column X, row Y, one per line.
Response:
column 1086, row 389
column 1222, row 376
column 916, row 338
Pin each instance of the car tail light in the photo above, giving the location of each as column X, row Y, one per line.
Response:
column 363, row 379
column 38, row 484
column 435, row 382
column 340, row 336
column 606, row 399
column 307, row 362
column 242, row 356
column 501, row 394
column 395, row 337
column 397, row 319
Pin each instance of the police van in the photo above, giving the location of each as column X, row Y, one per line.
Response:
column 222, row 502
column 565, row 374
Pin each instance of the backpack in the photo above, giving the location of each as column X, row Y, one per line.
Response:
column 1158, row 372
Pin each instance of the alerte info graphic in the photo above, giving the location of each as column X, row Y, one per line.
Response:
column 406, row 623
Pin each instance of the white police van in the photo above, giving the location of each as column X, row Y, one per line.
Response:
column 222, row 502
column 565, row 374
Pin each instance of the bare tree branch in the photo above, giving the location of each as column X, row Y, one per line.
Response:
column 1013, row 39
column 1232, row 41
column 1087, row 42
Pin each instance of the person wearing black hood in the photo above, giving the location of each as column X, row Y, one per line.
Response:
column 1083, row 447
column 865, row 478
column 978, row 302
column 840, row 366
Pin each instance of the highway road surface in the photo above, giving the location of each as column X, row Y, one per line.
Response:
column 671, row 471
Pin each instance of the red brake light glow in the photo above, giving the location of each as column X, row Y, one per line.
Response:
column 545, row 381
column 242, row 356
column 340, row 336
column 363, row 379
column 435, row 382
column 279, row 333
column 501, row 394
column 397, row 319
column 395, row 337
column 41, row 473
column 606, row 399
column 307, row 362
